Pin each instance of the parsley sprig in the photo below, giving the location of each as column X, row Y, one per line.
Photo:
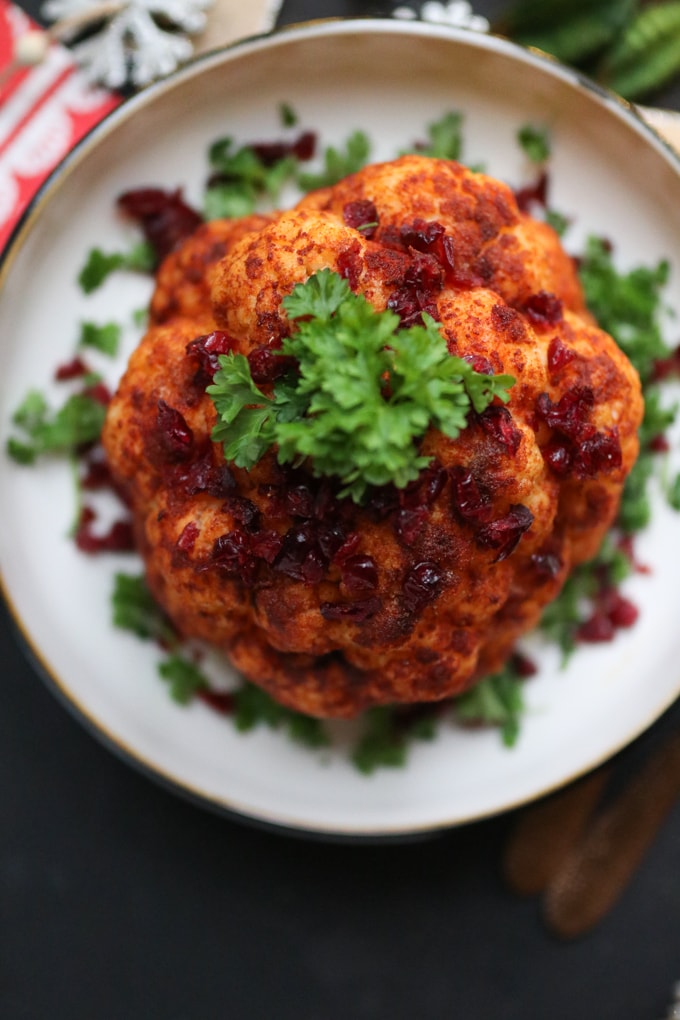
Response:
column 339, row 162
column 364, row 392
column 42, row 430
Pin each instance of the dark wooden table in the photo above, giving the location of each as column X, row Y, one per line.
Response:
column 121, row 901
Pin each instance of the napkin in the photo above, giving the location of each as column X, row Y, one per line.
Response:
column 45, row 110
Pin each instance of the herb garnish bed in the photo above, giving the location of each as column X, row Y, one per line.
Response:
column 590, row 608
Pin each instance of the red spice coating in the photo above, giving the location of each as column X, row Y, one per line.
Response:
column 333, row 607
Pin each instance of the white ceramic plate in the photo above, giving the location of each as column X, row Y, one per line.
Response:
column 390, row 79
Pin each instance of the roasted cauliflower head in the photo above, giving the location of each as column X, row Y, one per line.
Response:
column 416, row 593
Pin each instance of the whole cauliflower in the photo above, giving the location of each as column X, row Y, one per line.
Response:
column 418, row 592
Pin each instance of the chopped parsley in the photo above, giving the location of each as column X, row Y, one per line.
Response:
column 387, row 734
column 338, row 163
column 241, row 178
column 104, row 338
column 444, row 138
column 43, row 430
column 184, row 677
column 626, row 304
column 99, row 265
column 288, row 115
column 254, row 707
column 562, row 618
column 535, row 142
column 496, row 700
column 135, row 609
column 363, row 392
column 629, row 306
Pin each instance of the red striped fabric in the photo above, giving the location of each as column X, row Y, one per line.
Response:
column 44, row 111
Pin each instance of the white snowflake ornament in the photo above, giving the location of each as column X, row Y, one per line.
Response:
column 457, row 13
column 133, row 42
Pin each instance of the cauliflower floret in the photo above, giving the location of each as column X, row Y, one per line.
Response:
column 417, row 593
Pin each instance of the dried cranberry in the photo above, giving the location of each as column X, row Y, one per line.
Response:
column 266, row 545
column 304, row 146
column 533, row 194
column 219, row 701
column 71, row 370
column 348, row 548
column 571, row 415
column 659, row 444
column 503, row 534
column 187, row 539
column 409, row 524
column 208, row 347
column 422, row 235
column 354, row 612
column 350, row 264
column 665, row 367
column 361, row 215
column 175, row 437
column 426, row 487
column 479, row 363
column 267, row 365
column 621, row 611
column 626, row 544
column 97, row 475
column 332, row 540
column 422, row 584
column 164, row 217
column 269, row 153
column 119, row 537
column 599, row 454
column 382, row 502
column 598, row 628
column 470, row 501
column 359, row 574
column 523, row 666
column 559, row 456
column 243, row 510
column 543, row 309
column 422, row 282
column 497, row 422
column 559, row 356
column 546, row 564
column 301, row 557
column 232, row 554
column 299, row 501
column 202, row 474
column 99, row 392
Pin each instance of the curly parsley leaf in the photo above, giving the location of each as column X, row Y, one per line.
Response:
column 365, row 391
